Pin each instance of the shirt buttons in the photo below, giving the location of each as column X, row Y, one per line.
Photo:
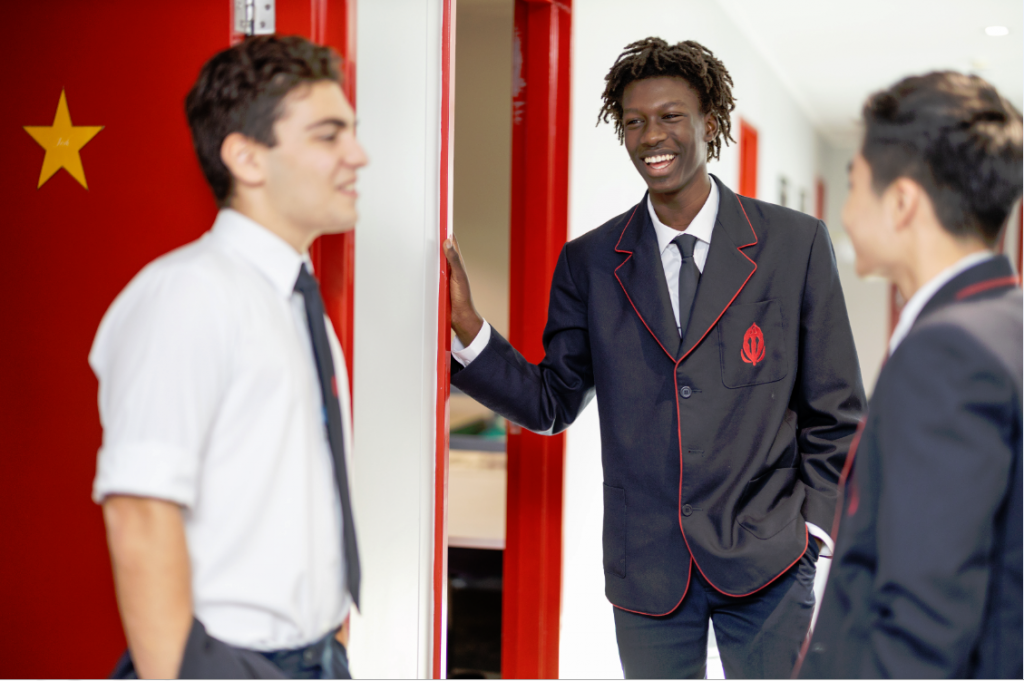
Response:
column 687, row 510
column 685, row 392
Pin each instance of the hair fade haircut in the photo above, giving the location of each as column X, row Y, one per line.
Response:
column 242, row 89
column 958, row 138
column 652, row 57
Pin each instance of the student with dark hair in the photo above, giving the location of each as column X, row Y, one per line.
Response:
column 927, row 576
column 223, row 393
column 713, row 331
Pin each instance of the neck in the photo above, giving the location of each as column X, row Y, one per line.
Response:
column 258, row 211
column 930, row 256
column 678, row 209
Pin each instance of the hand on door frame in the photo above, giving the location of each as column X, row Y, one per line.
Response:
column 466, row 321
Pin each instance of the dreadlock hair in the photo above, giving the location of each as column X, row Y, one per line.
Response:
column 652, row 57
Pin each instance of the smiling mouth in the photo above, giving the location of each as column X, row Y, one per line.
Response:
column 659, row 162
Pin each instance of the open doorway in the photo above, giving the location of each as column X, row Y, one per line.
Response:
column 477, row 456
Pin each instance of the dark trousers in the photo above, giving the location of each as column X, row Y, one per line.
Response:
column 206, row 657
column 325, row 659
column 759, row 636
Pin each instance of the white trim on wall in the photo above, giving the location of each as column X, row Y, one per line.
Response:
column 396, row 288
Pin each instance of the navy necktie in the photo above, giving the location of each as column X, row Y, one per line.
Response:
column 689, row 277
column 307, row 286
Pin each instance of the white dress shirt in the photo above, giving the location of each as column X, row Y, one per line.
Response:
column 209, row 398
column 702, row 226
column 913, row 308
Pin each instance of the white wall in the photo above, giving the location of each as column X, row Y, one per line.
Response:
column 603, row 183
column 396, row 289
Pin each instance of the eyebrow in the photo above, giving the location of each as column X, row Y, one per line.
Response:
column 337, row 122
column 677, row 102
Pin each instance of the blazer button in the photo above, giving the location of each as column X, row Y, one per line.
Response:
column 687, row 510
column 686, row 391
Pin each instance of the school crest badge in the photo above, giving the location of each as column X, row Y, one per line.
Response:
column 752, row 351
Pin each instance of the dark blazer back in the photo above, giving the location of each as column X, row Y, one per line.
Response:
column 927, row 577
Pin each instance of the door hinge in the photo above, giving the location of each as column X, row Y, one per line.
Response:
column 254, row 17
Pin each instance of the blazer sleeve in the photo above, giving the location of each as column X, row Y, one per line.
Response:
column 544, row 398
column 944, row 422
column 829, row 395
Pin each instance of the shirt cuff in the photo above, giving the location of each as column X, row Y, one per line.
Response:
column 464, row 354
column 815, row 531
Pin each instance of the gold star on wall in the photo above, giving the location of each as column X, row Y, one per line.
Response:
column 62, row 141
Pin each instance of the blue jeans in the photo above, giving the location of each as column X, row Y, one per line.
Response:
column 759, row 636
column 324, row 659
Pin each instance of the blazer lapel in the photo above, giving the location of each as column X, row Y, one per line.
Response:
column 726, row 272
column 642, row 277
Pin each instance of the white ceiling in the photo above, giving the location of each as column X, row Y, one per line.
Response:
column 832, row 54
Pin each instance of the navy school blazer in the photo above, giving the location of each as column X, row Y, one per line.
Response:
column 927, row 576
column 717, row 447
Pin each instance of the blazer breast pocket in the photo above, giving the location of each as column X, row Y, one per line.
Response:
column 751, row 344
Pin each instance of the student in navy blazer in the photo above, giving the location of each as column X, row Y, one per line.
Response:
column 720, row 448
column 927, row 578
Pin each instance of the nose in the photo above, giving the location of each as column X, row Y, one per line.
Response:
column 355, row 156
column 653, row 133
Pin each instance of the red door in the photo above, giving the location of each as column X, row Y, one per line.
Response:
column 67, row 251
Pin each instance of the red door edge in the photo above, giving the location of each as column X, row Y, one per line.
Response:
column 440, row 582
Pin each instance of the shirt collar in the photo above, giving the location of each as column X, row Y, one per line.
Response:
column 917, row 302
column 270, row 254
column 701, row 227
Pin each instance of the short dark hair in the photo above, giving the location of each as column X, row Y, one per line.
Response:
column 241, row 89
column 652, row 57
column 958, row 138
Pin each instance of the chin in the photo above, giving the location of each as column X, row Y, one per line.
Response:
column 343, row 223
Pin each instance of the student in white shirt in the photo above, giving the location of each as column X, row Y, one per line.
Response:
column 222, row 472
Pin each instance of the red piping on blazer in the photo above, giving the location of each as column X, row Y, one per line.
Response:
column 982, row 286
column 642, row 320
column 847, row 467
column 689, row 571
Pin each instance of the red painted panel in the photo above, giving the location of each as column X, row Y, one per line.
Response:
column 819, row 198
column 444, row 342
column 531, row 602
column 748, row 159
column 67, row 251
column 332, row 23
column 1020, row 236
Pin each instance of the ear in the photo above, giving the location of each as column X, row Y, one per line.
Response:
column 903, row 201
column 710, row 127
column 244, row 158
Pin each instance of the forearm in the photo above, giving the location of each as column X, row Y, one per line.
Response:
column 152, row 578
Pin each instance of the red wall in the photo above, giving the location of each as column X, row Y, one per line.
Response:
column 66, row 252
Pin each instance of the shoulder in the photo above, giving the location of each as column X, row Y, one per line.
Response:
column 778, row 224
column 190, row 287
column 603, row 239
column 196, row 270
column 986, row 330
column 965, row 353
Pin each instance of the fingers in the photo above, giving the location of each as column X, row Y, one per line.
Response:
column 454, row 256
column 451, row 249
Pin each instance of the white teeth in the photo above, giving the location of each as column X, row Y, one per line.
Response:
column 659, row 159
